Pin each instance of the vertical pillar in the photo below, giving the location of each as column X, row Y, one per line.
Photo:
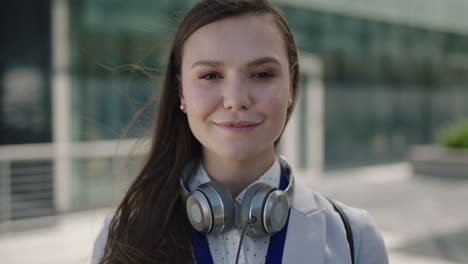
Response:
column 61, row 104
column 289, row 143
column 316, row 101
column 311, row 67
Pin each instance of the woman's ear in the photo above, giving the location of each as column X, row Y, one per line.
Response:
column 180, row 90
column 181, row 94
column 291, row 93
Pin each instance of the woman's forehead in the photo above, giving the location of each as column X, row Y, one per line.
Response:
column 236, row 40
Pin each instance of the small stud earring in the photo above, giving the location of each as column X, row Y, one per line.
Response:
column 182, row 107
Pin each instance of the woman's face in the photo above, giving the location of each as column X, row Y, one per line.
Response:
column 236, row 86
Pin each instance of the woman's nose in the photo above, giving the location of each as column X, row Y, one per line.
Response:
column 236, row 94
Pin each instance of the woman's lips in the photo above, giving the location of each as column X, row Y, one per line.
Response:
column 238, row 126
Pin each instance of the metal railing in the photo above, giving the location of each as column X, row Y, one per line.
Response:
column 30, row 184
column 26, row 178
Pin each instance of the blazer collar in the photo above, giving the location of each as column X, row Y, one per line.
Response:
column 306, row 236
column 304, row 199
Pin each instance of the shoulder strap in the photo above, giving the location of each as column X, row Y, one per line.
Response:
column 349, row 232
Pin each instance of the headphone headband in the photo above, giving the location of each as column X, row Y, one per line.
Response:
column 191, row 167
column 286, row 169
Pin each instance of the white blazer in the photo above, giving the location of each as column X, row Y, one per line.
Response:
column 316, row 234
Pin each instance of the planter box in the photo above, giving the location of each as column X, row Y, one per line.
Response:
column 439, row 161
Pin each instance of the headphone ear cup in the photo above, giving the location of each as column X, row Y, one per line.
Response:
column 275, row 211
column 252, row 209
column 210, row 208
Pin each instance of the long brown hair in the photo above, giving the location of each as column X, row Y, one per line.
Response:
column 150, row 224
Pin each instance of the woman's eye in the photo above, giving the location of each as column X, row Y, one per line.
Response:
column 262, row 75
column 209, row 76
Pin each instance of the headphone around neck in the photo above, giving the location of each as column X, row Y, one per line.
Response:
column 264, row 209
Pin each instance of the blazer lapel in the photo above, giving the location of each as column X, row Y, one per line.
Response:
column 306, row 237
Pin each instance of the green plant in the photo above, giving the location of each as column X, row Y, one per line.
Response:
column 455, row 135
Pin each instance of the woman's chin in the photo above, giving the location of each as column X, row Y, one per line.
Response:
column 240, row 153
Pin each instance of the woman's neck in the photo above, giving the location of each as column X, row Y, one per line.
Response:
column 236, row 175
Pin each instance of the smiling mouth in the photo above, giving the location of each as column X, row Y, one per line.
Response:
column 238, row 126
column 238, row 123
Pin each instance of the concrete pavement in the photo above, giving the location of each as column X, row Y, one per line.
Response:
column 423, row 220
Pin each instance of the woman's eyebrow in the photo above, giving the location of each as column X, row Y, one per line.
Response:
column 263, row 60
column 211, row 63
column 255, row 62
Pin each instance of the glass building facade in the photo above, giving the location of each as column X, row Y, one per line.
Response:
column 26, row 187
column 387, row 85
column 25, row 70
column 118, row 51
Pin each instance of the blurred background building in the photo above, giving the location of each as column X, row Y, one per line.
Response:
column 378, row 77
column 74, row 72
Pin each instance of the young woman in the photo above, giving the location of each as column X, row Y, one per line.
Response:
column 213, row 189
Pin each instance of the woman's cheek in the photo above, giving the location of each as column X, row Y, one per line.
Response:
column 276, row 104
column 202, row 102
